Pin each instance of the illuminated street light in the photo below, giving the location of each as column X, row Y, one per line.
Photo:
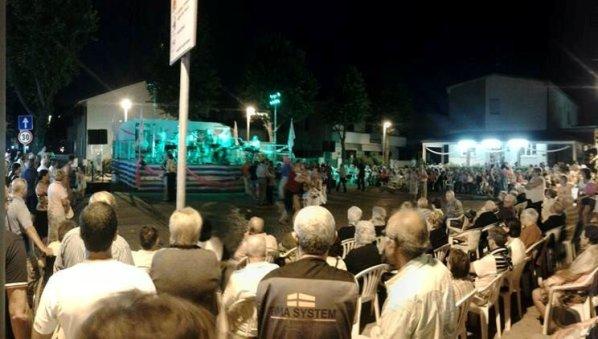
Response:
column 275, row 101
column 250, row 111
column 126, row 104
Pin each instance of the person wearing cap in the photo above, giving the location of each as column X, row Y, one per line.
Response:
column 584, row 264
column 420, row 301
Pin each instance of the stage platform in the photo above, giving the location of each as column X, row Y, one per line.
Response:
column 200, row 178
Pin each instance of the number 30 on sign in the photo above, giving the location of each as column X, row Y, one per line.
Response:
column 25, row 137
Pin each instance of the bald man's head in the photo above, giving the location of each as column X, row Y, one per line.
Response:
column 256, row 225
column 256, row 247
column 409, row 233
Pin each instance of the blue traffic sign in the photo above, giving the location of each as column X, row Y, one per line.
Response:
column 25, row 122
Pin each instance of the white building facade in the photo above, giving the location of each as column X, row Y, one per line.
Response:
column 502, row 119
column 101, row 115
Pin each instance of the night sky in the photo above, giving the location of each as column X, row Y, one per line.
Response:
column 424, row 44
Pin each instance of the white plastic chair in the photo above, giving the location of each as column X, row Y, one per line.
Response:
column 463, row 308
column 450, row 229
column 348, row 245
column 489, row 297
column 585, row 309
column 555, row 234
column 242, row 317
column 368, row 281
column 533, row 253
column 513, row 283
column 569, row 251
column 472, row 242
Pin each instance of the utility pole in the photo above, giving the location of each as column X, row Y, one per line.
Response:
column 183, row 31
column 275, row 101
column 181, row 170
column 2, row 166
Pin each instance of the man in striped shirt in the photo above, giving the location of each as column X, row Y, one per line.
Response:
column 495, row 262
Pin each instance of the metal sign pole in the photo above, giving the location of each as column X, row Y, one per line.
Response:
column 275, row 124
column 3, row 164
column 181, row 175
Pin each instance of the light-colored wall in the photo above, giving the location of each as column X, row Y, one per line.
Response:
column 562, row 111
column 480, row 156
column 467, row 105
column 522, row 104
column 104, row 112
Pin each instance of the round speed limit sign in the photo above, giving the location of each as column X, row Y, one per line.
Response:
column 25, row 137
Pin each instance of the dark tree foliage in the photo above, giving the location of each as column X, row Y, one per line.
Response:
column 279, row 66
column 350, row 103
column 395, row 103
column 43, row 42
column 205, row 87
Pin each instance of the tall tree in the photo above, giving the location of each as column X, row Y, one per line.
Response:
column 350, row 103
column 394, row 102
column 205, row 88
column 279, row 66
column 43, row 42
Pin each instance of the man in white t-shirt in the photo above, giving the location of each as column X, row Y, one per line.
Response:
column 71, row 295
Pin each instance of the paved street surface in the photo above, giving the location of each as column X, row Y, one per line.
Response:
column 229, row 213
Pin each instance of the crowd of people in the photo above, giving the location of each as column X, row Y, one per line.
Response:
column 302, row 285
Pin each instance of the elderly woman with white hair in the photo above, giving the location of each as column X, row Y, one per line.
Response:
column 184, row 269
column 530, row 232
column 365, row 254
column 354, row 215
column 379, row 219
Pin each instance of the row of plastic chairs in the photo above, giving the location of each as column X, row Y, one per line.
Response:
column 350, row 244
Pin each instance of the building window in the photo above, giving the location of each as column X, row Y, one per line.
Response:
column 531, row 149
column 494, row 106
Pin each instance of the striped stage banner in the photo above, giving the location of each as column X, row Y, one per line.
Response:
column 200, row 178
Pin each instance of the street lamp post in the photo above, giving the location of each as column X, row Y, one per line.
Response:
column 250, row 110
column 126, row 105
column 385, row 126
column 275, row 101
